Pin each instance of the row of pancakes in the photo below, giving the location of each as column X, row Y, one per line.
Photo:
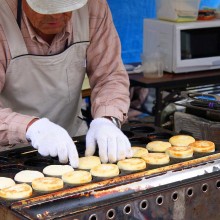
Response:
column 179, row 146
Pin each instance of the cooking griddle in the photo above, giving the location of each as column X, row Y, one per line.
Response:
column 85, row 201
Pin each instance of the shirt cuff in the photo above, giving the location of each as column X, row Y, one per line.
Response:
column 17, row 129
column 110, row 111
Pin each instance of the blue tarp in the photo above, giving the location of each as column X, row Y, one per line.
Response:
column 128, row 17
column 209, row 4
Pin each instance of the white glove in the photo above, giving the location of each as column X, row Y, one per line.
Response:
column 51, row 139
column 113, row 144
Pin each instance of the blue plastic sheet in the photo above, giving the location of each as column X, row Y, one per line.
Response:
column 128, row 16
column 214, row 4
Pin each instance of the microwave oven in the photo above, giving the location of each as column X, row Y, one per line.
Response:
column 183, row 47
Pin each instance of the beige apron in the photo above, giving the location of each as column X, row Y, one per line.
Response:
column 46, row 86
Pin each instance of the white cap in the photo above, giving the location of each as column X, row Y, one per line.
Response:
column 55, row 6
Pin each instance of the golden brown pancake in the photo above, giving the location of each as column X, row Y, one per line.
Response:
column 138, row 151
column 203, row 146
column 181, row 140
column 131, row 164
column 156, row 158
column 18, row 191
column 105, row 170
column 180, row 152
column 47, row 184
column 158, row 146
column 77, row 177
column 87, row 163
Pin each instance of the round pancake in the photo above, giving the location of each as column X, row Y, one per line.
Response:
column 156, row 158
column 158, row 146
column 18, row 191
column 180, row 152
column 132, row 164
column 57, row 170
column 105, row 170
column 27, row 176
column 77, row 177
column 47, row 184
column 203, row 146
column 138, row 151
column 181, row 140
column 6, row 182
column 87, row 163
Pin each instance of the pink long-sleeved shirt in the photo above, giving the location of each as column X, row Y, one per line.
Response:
column 108, row 79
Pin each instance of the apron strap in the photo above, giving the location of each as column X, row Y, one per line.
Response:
column 19, row 13
column 81, row 24
column 12, row 32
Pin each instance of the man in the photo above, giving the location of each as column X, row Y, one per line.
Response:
column 42, row 67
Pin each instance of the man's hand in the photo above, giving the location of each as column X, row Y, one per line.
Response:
column 113, row 144
column 51, row 139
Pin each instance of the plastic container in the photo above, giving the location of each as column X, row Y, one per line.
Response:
column 152, row 66
column 177, row 10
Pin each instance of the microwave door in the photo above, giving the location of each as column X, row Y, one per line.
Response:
column 190, row 65
column 200, row 43
column 185, row 46
column 199, row 49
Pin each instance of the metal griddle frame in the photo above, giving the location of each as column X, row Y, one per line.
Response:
column 73, row 200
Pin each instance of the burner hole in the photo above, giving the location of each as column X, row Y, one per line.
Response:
column 175, row 196
column 41, row 162
column 93, row 217
column 159, row 200
column 3, row 160
column 133, row 122
column 190, row 192
column 139, row 140
column 11, row 169
column 143, row 129
column 127, row 209
column 110, row 214
column 205, row 187
column 129, row 134
column 143, row 205
column 159, row 136
column 218, row 184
